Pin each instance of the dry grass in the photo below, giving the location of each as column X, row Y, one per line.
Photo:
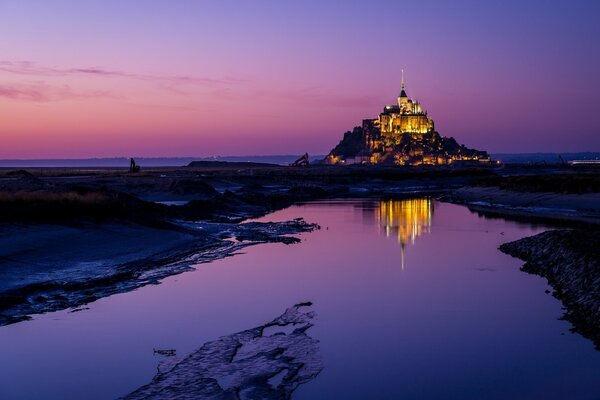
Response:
column 68, row 206
column 90, row 198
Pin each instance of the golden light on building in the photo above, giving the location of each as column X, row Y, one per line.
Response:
column 402, row 134
column 407, row 219
column 407, row 116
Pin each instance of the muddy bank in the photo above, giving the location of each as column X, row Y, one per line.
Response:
column 266, row 362
column 67, row 240
column 583, row 208
column 186, row 184
column 570, row 180
column 570, row 261
column 51, row 267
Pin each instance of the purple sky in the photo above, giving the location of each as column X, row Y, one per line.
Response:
column 200, row 78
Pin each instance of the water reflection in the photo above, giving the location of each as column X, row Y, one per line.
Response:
column 367, row 316
column 407, row 219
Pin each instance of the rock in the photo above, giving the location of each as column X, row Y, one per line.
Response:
column 407, row 149
column 266, row 362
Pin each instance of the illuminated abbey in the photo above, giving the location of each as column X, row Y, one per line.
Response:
column 403, row 134
column 407, row 116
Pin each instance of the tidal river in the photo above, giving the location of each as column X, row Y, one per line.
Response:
column 413, row 300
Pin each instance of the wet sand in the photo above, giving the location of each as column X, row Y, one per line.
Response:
column 583, row 207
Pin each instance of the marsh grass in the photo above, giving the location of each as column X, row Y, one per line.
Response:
column 67, row 206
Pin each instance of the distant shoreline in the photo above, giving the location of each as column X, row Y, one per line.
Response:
column 508, row 158
column 145, row 161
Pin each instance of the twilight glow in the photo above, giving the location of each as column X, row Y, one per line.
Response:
column 201, row 78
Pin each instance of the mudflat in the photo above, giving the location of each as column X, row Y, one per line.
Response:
column 584, row 207
column 69, row 237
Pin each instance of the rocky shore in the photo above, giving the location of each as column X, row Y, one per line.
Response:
column 266, row 362
column 570, row 261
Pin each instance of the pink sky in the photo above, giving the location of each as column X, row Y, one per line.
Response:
column 101, row 79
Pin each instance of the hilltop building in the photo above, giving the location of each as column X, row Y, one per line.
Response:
column 403, row 134
column 406, row 116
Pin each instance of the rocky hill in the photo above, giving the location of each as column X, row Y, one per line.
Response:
column 406, row 149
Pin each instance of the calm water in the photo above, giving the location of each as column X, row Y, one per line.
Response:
column 414, row 301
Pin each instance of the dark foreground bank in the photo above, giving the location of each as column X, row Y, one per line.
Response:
column 67, row 242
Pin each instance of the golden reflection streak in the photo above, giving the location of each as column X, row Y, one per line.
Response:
column 410, row 218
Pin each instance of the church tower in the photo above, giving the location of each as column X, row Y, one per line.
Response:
column 402, row 98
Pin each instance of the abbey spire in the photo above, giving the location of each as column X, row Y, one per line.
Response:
column 402, row 92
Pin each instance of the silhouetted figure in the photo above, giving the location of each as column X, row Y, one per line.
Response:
column 133, row 167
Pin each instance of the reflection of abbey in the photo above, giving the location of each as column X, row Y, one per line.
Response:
column 402, row 134
column 407, row 219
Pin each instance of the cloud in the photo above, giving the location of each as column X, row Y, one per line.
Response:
column 309, row 96
column 31, row 68
column 41, row 92
column 316, row 96
column 181, row 85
